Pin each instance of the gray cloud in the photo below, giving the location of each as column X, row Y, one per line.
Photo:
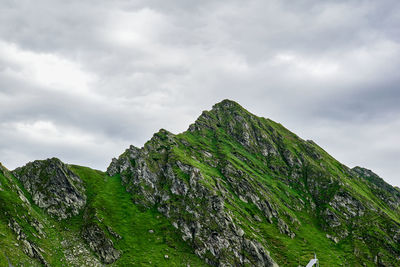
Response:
column 82, row 80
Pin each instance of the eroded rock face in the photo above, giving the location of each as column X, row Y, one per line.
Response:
column 29, row 248
column 100, row 244
column 194, row 208
column 383, row 190
column 53, row 187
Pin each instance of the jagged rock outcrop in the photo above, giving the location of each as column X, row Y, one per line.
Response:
column 195, row 208
column 53, row 187
column 383, row 190
column 28, row 246
column 157, row 177
column 100, row 244
column 94, row 233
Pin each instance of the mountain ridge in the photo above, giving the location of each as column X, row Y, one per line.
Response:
column 234, row 189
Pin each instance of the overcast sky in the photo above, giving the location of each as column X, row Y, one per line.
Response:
column 82, row 80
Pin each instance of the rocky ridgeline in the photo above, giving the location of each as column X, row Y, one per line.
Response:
column 196, row 203
column 172, row 173
column 386, row 192
column 53, row 187
column 61, row 193
column 193, row 207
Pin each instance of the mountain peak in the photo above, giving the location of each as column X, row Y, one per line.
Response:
column 2, row 168
column 227, row 104
column 53, row 186
column 222, row 114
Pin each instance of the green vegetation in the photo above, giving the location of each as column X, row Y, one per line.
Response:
column 114, row 207
column 274, row 189
column 146, row 235
column 322, row 178
column 10, row 206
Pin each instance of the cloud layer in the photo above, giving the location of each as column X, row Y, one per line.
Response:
column 82, row 80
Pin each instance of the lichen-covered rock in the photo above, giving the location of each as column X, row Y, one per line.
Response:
column 53, row 187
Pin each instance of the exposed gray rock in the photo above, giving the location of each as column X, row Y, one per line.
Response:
column 284, row 228
column 53, row 187
column 198, row 211
column 33, row 251
column 333, row 238
column 331, row 218
column 28, row 246
column 114, row 234
column 77, row 253
column 347, row 205
column 382, row 190
column 100, row 244
column 16, row 228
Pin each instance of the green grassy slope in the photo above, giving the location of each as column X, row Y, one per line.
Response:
column 310, row 237
column 114, row 208
column 146, row 237
column 16, row 205
column 322, row 178
column 10, row 206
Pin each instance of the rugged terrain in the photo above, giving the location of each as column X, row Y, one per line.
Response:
column 233, row 190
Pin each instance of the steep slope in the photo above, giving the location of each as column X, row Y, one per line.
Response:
column 14, row 207
column 32, row 237
column 387, row 193
column 60, row 215
column 53, row 187
column 142, row 236
column 237, row 186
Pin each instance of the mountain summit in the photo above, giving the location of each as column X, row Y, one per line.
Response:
column 235, row 189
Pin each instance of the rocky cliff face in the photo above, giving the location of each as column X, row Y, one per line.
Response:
column 100, row 243
column 61, row 193
column 182, row 193
column 53, row 187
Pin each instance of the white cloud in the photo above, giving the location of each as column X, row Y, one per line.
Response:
column 306, row 67
column 136, row 28
column 85, row 80
column 44, row 69
column 49, row 133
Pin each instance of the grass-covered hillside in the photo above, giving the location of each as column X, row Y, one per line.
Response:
column 143, row 236
column 146, row 236
column 280, row 193
column 233, row 190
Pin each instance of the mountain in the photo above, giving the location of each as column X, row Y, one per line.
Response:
column 233, row 190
